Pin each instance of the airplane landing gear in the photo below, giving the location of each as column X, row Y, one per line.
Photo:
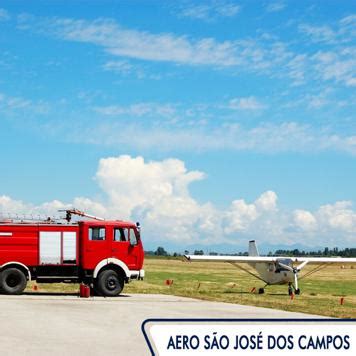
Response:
column 290, row 289
column 262, row 289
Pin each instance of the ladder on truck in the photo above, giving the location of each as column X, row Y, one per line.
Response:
column 70, row 212
column 6, row 218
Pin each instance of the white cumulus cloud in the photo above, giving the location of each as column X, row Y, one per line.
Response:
column 156, row 193
column 338, row 216
column 305, row 220
column 241, row 215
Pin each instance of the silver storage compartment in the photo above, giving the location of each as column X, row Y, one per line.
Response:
column 50, row 247
column 69, row 247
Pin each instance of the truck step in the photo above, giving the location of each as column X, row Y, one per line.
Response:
column 57, row 277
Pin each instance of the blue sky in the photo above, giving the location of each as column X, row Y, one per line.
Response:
column 241, row 115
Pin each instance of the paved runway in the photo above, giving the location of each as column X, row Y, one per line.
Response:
column 67, row 325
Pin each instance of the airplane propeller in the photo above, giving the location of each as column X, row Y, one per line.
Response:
column 295, row 270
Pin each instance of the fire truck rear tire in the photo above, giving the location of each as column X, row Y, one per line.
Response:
column 109, row 283
column 12, row 281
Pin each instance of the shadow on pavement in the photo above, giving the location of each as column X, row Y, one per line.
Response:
column 51, row 293
column 61, row 294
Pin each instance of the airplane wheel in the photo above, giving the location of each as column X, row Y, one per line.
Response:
column 297, row 291
column 290, row 291
column 261, row 291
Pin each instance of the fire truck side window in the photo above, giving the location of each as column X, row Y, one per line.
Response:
column 133, row 237
column 97, row 233
column 121, row 234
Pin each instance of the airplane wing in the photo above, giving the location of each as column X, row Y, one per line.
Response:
column 241, row 259
column 254, row 259
column 321, row 260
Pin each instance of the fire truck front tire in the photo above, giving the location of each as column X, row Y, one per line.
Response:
column 109, row 283
column 12, row 281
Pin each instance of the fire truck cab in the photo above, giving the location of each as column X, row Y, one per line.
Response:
column 100, row 253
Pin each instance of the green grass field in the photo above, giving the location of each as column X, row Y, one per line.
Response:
column 320, row 294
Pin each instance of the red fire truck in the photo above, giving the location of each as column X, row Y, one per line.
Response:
column 100, row 253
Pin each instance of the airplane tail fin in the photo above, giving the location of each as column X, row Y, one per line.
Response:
column 252, row 248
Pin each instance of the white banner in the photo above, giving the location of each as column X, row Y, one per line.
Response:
column 251, row 337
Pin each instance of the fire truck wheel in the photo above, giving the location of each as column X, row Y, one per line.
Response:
column 109, row 283
column 12, row 281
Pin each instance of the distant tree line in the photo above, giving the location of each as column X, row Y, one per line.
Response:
column 347, row 252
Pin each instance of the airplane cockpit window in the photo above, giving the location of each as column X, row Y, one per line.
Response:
column 286, row 262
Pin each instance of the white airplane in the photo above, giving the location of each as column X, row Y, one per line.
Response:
column 275, row 270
